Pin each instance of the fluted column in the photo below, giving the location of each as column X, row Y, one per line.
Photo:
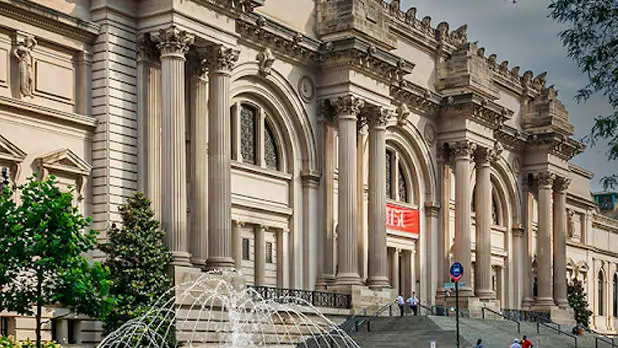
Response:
column 545, row 183
column 395, row 271
column 378, row 268
column 561, row 186
column 463, row 152
column 518, row 264
column 199, row 163
column 237, row 243
column 482, row 269
column 260, row 255
column 360, row 194
column 347, row 108
column 528, row 188
column 328, row 202
column 174, row 44
column 221, row 60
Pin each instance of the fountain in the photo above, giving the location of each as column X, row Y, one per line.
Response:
column 218, row 310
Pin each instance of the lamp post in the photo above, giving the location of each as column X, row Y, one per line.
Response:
column 5, row 178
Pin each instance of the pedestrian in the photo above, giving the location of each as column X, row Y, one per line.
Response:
column 515, row 344
column 526, row 343
column 479, row 344
column 400, row 302
column 413, row 303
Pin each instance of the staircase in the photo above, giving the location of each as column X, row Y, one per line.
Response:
column 394, row 332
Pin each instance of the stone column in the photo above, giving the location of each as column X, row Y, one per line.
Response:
column 199, row 163
column 433, row 256
column 518, row 264
column 360, row 194
column 221, row 60
column 545, row 183
column 561, row 186
column 347, row 108
column 377, row 274
column 395, row 271
column 260, row 255
column 482, row 269
column 143, row 85
column 237, row 243
column 328, row 202
column 174, row 44
column 528, row 188
column 463, row 152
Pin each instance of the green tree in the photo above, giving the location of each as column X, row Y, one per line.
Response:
column 138, row 260
column 579, row 302
column 44, row 240
column 591, row 40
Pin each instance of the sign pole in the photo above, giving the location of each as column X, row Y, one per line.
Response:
column 457, row 309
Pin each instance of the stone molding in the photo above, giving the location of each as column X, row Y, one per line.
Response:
column 485, row 156
column 477, row 108
column 221, row 58
column 518, row 231
column 173, row 41
column 511, row 138
column 146, row 48
column 65, row 163
column 234, row 8
column 559, row 145
column 417, row 98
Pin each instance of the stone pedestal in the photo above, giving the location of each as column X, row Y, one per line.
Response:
column 366, row 300
column 562, row 316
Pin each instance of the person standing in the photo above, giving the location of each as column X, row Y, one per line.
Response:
column 526, row 343
column 400, row 302
column 515, row 344
column 413, row 303
column 479, row 344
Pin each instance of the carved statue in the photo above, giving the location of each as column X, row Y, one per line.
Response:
column 442, row 31
column 411, row 15
column 23, row 53
column 402, row 114
column 395, row 6
column 459, row 37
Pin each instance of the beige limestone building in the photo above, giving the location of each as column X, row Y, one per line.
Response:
column 338, row 145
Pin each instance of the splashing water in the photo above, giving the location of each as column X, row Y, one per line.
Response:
column 218, row 310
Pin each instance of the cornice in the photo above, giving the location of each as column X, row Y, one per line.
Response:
column 581, row 201
column 258, row 31
column 605, row 222
column 50, row 19
column 233, row 8
column 560, row 146
column 511, row 138
column 364, row 57
column 477, row 108
column 421, row 100
column 580, row 171
column 75, row 120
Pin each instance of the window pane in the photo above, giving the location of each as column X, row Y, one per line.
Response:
column 271, row 153
column 494, row 211
column 247, row 134
column 389, row 166
column 245, row 249
column 269, row 252
column 403, row 186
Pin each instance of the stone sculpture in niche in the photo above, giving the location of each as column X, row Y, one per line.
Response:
column 23, row 53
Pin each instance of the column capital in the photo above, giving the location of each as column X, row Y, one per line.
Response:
column 464, row 149
column 545, row 179
column 561, row 184
column 310, row 179
column 172, row 41
column 347, row 106
column 221, row 58
column 486, row 155
column 518, row 231
column 432, row 208
column 198, row 63
column 146, row 48
column 238, row 223
column 378, row 116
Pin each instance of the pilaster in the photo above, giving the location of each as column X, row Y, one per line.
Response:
column 328, row 202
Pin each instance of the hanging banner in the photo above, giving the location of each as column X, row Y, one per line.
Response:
column 402, row 219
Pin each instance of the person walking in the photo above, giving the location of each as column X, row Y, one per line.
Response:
column 526, row 343
column 479, row 344
column 515, row 344
column 401, row 303
column 413, row 303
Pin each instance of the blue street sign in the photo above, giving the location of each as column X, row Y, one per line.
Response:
column 450, row 285
column 456, row 271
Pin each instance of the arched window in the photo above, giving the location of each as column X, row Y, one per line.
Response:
column 397, row 187
column 495, row 212
column 600, row 293
column 254, row 140
column 615, row 296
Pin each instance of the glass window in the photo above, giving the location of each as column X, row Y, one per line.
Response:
column 248, row 139
column 402, row 185
column 271, row 155
column 494, row 212
column 245, row 249
column 389, row 174
column 615, row 296
column 600, row 294
column 269, row 252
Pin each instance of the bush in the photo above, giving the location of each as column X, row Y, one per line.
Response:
column 11, row 342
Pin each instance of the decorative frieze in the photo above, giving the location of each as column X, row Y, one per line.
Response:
column 234, row 8
column 558, row 144
column 415, row 97
column 511, row 137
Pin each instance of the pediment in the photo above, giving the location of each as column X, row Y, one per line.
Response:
column 10, row 152
column 64, row 161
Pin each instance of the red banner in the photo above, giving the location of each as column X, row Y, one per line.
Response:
column 402, row 219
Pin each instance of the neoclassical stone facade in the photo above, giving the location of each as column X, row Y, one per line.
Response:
column 340, row 145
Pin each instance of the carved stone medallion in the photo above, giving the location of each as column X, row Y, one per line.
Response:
column 306, row 89
column 430, row 134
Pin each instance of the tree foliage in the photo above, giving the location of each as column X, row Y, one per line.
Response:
column 138, row 259
column 43, row 240
column 579, row 302
column 591, row 39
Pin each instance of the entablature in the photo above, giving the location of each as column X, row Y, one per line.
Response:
column 482, row 110
column 419, row 99
column 559, row 145
column 233, row 8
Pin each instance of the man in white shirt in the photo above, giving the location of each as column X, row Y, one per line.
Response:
column 400, row 302
column 413, row 303
column 515, row 344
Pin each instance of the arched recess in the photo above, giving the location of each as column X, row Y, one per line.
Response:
column 276, row 92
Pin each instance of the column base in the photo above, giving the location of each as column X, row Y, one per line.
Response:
column 543, row 304
column 527, row 303
column 378, row 283
column 562, row 303
column 181, row 258
column 219, row 263
column 485, row 294
column 198, row 262
column 348, row 279
column 324, row 281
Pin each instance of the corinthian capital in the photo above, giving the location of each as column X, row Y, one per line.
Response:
column 561, row 184
column 173, row 41
column 348, row 105
column 545, row 179
column 484, row 155
column 464, row 148
column 221, row 58
column 378, row 117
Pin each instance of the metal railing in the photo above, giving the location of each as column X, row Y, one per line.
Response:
column 529, row 316
column 367, row 320
column 315, row 298
column 557, row 330
column 485, row 309
column 604, row 339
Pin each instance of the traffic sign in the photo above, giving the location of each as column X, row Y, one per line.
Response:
column 457, row 271
column 451, row 285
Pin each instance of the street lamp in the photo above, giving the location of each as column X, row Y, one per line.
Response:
column 5, row 178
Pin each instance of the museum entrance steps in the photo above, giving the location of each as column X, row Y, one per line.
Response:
column 395, row 332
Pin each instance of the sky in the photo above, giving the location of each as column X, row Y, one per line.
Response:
column 523, row 34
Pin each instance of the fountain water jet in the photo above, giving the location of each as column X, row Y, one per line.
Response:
column 218, row 310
